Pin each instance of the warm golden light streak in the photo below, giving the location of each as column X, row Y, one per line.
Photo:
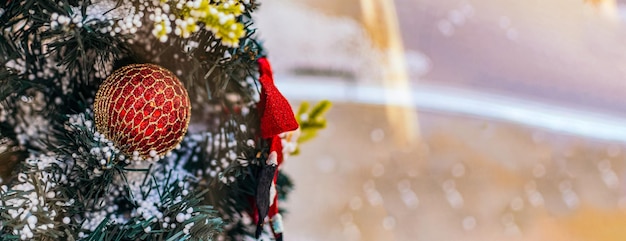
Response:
column 381, row 21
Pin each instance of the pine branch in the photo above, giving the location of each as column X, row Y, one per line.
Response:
column 311, row 120
column 185, row 218
column 53, row 55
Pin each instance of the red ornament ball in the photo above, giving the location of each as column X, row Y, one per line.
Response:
column 142, row 107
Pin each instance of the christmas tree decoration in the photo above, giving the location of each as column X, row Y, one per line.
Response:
column 277, row 118
column 143, row 108
column 219, row 17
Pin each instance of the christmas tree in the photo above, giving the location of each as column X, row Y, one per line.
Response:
column 141, row 120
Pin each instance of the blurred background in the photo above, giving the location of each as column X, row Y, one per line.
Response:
column 456, row 119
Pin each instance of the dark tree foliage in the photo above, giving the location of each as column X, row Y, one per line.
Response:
column 63, row 181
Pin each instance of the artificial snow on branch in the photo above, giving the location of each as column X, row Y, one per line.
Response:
column 169, row 150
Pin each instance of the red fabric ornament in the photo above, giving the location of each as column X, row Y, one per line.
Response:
column 142, row 107
column 276, row 118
